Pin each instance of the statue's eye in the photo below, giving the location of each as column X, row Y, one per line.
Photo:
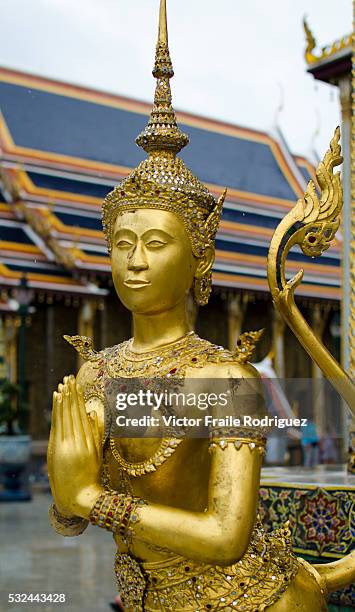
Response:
column 155, row 244
column 124, row 244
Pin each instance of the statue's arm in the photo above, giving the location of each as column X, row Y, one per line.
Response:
column 219, row 535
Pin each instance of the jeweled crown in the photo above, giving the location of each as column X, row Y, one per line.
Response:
column 162, row 180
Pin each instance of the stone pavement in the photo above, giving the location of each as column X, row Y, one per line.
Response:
column 34, row 559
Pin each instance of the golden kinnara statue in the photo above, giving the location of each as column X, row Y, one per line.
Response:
column 183, row 511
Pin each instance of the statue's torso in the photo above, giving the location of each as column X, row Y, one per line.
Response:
column 180, row 480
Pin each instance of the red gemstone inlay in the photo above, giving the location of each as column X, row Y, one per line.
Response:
column 194, row 359
column 173, row 371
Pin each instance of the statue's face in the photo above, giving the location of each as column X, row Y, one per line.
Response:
column 153, row 265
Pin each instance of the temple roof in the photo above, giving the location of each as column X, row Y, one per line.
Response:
column 64, row 147
column 331, row 62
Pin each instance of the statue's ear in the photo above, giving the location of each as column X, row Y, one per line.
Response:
column 205, row 262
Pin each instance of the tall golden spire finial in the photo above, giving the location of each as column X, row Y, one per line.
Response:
column 162, row 132
column 163, row 24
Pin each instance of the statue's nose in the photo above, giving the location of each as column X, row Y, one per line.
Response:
column 137, row 259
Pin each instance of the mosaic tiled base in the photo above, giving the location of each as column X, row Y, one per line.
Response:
column 322, row 522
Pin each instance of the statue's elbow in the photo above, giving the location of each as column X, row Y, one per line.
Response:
column 229, row 548
column 229, row 555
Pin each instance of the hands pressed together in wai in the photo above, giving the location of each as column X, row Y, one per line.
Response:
column 74, row 451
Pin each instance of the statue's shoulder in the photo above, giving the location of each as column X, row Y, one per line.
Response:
column 94, row 361
column 232, row 365
column 235, row 362
column 84, row 346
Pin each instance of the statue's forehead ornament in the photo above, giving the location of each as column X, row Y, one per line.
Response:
column 162, row 180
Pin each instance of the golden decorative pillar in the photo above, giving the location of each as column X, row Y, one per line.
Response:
column 345, row 95
column 350, row 246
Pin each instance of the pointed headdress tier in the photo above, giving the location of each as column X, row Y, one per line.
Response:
column 162, row 180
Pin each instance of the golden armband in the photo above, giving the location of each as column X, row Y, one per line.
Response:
column 64, row 525
column 116, row 512
column 253, row 444
column 223, row 436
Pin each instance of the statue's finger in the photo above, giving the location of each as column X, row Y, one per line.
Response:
column 51, row 431
column 53, row 416
column 68, row 431
column 55, row 438
column 96, row 431
column 58, row 412
column 79, row 433
column 84, row 417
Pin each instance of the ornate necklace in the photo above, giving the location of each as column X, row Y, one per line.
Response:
column 132, row 355
column 168, row 361
column 167, row 447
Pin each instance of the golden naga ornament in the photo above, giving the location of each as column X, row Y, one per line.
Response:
column 312, row 225
column 183, row 511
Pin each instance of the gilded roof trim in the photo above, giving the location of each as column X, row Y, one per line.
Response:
column 314, row 55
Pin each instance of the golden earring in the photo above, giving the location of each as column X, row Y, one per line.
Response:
column 203, row 288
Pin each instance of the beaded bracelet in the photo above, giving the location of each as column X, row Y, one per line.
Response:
column 65, row 525
column 116, row 512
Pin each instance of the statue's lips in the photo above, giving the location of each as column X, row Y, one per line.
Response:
column 135, row 283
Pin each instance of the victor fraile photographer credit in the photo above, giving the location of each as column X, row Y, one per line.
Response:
column 183, row 511
column 146, row 412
